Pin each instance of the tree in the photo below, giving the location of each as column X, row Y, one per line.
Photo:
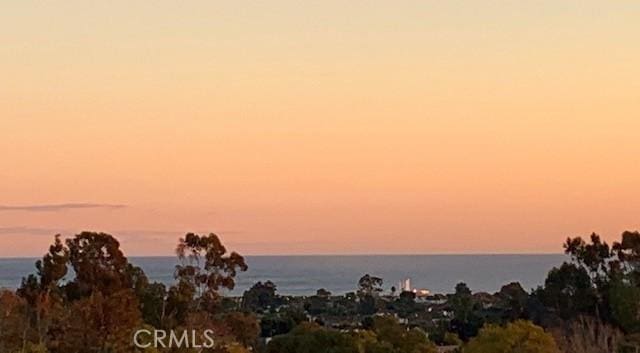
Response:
column 101, row 308
column 283, row 322
column 624, row 304
column 153, row 304
column 386, row 336
column 204, row 269
column 311, row 338
column 389, row 332
column 368, row 289
column 42, row 292
column 98, row 302
column 53, row 266
column 628, row 249
column 451, row 339
column 465, row 322
column 99, row 265
column 405, row 304
column 108, row 298
column 323, row 293
column 597, row 294
column 568, row 291
column 243, row 327
column 345, row 305
column 517, row 337
column 14, row 324
column 462, row 302
column 624, row 288
column 628, row 254
column 513, row 299
column 319, row 303
column 603, row 281
column 593, row 256
column 105, row 323
column 260, row 296
column 369, row 285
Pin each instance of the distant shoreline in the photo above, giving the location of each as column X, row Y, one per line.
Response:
column 304, row 274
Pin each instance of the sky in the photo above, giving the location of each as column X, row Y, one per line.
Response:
column 319, row 127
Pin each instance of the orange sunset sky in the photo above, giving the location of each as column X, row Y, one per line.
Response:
column 320, row 127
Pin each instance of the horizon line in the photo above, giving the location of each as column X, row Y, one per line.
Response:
column 341, row 255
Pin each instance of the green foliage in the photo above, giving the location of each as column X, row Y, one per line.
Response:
column 345, row 305
column 568, row 291
column 33, row 348
column 317, row 304
column 179, row 302
column 462, row 302
column 152, row 303
column 12, row 321
column 405, row 304
column 628, row 250
column 369, row 285
column 104, row 322
column 602, row 281
column 367, row 305
column 597, row 294
column 624, row 303
column 205, row 267
column 53, row 266
column 593, row 256
column 513, row 300
column 390, row 333
column 242, row 326
column 386, row 336
column 273, row 324
column 98, row 264
column 466, row 321
column 311, row 338
column 516, row 337
column 260, row 296
column 108, row 298
column 451, row 339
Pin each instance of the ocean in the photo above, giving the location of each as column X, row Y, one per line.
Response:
column 303, row 275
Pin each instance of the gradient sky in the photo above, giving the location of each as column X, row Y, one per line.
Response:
column 320, row 127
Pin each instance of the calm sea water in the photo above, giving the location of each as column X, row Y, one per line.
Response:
column 302, row 275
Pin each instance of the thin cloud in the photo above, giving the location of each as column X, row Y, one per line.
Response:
column 31, row 231
column 128, row 233
column 151, row 234
column 60, row 207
